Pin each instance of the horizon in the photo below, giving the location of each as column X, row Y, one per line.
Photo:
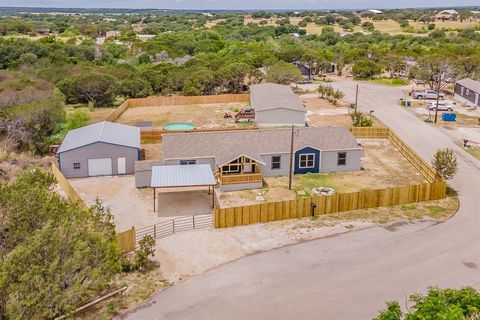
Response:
column 231, row 5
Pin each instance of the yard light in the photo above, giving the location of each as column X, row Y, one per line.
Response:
column 314, row 206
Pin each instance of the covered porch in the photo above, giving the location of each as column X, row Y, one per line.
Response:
column 243, row 169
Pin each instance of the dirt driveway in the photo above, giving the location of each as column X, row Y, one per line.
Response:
column 134, row 207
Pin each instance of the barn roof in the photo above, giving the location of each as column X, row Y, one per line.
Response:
column 107, row 132
column 267, row 96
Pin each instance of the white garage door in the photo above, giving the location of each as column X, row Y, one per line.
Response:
column 100, row 167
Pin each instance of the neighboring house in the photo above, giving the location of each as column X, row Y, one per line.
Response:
column 306, row 71
column 446, row 15
column 112, row 34
column 100, row 149
column 467, row 91
column 145, row 37
column 371, row 12
column 240, row 159
column 276, row 105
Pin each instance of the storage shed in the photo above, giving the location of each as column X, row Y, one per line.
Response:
column 276, row 105
column 468, row 91
column 100, row 149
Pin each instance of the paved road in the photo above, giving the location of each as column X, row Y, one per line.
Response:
column 351, row 275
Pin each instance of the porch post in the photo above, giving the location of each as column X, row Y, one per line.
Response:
column 154, row 198
column 213, row 197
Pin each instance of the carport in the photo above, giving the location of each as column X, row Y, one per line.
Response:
column 183, row 176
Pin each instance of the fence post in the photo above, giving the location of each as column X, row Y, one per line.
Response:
column 193, row 222
column 155, row 231
column 173, row 225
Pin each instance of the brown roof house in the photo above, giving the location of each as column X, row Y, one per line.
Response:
column 242, row 158
column 446, row 15
column 276, row 105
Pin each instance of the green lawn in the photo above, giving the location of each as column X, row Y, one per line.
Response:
column 394, row 82
column 474, row 151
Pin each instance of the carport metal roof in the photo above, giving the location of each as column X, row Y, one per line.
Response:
column 182, row 176
column 198, row 175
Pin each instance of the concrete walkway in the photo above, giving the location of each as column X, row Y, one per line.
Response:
column 349, row 276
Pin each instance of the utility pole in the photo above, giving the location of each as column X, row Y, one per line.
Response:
column 436, row 107
column 356, row 101
column 290, row 175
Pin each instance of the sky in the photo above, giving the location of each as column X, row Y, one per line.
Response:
column 238, row 4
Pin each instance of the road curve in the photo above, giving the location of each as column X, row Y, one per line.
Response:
column 348, row 276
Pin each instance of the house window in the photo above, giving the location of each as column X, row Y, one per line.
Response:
column 307, row 161
column 276, row 162
column 76, row 165
column 468, row 92
column 342, row 159
column 187, row 162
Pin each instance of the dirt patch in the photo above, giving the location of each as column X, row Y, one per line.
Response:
column 153, row 151
column 383, row 166
column 202, row 115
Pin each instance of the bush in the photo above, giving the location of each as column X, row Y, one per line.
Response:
column 361, row 120
column 139, row 261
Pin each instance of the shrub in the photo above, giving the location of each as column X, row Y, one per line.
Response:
column 445, row 163
column 360, row 120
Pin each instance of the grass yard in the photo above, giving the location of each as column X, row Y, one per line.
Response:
column 96, row 115
column 204, row 116
column 383, row 167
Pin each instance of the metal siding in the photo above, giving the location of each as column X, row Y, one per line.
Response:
column 307, row 150
column 96, row 151
column 280, row 117
column 329, row 161
column 181, row 176
column 469, row 97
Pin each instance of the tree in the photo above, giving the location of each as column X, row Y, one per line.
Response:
column 54, row 255
column 97, row 88
column 365, row 69
column 134, row 87
column 438, row 303
column 436, row 70
column 368, row 26
column 445, row 163
column 283, row 73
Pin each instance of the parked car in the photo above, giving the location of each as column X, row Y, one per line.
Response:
column 442, row 106
column 427, row 94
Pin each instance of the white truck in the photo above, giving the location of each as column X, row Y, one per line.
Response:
column 427, row 94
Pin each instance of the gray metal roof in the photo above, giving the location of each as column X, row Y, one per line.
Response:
column 268, row 96
column 182, row 176
column 470, row 84
column 107, row 132
column 226, row 146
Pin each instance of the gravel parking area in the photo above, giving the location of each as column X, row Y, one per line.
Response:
column 134, row 207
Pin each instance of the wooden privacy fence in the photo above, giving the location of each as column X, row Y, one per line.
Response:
column 156, row 135
column 274, row 211
column 176, row 100
column 124, row 239
column 66, row 186
column 386, row 133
